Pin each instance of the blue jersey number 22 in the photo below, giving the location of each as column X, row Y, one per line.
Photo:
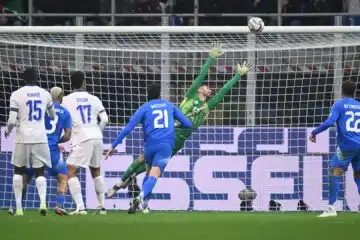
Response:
column 85, row 112
column 353, row 122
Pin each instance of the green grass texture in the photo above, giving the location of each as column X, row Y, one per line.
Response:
column 180, row 225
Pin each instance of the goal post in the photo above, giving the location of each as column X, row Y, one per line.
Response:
column 256, row 138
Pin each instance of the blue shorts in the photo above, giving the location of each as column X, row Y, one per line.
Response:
column 158, row 155
column 343, row 158
column 58, row 165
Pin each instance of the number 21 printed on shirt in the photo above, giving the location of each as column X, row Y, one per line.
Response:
column 161, row 120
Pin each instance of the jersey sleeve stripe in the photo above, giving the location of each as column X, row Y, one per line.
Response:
column 102, row 111
column 14, row 109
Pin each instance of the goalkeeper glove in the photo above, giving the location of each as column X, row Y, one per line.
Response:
column 244, row 68
column 216, row 50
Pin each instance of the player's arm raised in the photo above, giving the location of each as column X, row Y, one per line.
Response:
column 330, row 121
column 14, row 109
column 241, row 70
column 214, row 53
column 134, row 120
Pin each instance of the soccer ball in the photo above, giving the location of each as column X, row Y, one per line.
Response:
column 256, row 25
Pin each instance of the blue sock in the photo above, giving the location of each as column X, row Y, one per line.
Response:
column 357, row 181
column 144, row 180
column 149, row 186
column 60, row 199
column 334, row 189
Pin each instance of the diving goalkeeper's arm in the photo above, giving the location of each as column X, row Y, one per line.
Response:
column 241, row 70
column 198, row 81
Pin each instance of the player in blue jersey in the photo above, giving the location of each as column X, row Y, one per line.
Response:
column 158, row 122
column 54, row 129
column 346, row 114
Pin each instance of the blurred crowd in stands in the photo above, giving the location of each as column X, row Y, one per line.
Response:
column 176, row 7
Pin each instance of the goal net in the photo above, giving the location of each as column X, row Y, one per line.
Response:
column 256, row 138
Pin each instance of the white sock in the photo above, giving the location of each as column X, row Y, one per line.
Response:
column 17, row 186
column 41, row 188
column 99, row 189
column 75, row 190
column 145, row 203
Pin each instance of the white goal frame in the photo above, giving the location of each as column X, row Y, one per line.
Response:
column 166, row 30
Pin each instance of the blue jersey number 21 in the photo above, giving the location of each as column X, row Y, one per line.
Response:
column 85, row 112
column 35, row 111
column 161, row 116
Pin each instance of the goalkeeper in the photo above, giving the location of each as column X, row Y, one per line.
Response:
column 196, row 106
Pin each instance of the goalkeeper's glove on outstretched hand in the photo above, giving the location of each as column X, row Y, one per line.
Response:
column 216, row 50
column 243, row 68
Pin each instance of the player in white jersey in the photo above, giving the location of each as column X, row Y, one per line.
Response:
column 27, row 111
column 86, row 140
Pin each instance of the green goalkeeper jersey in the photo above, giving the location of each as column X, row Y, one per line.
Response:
column 194, row 108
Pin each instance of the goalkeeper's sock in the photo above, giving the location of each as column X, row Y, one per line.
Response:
column 148, row 187
column 40, row 183
column 60, row 199
column 17, row 186
column 75, row 190
column 99, row 189
column 357, row 181
column 131, row 170
column 334, row 189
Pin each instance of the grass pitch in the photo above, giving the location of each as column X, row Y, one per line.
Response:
column 180, row 225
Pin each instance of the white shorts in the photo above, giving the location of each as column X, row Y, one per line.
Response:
column 31, row 155
column 87, row 154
